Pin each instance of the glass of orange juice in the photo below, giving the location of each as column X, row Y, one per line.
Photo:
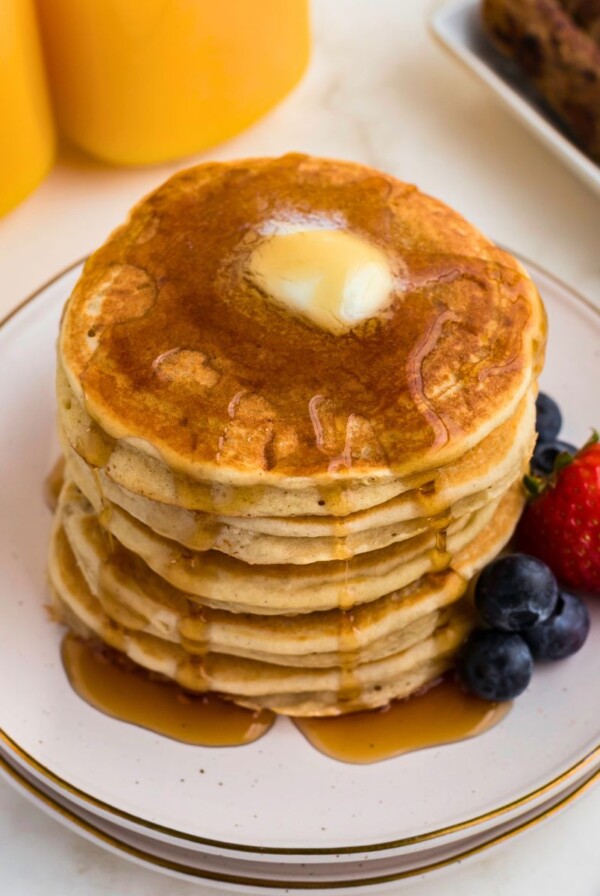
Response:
column 27, row 142
column 143, row 81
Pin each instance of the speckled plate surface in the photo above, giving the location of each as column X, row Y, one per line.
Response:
column 251, row 876
column 277, row 799
column 457, row 27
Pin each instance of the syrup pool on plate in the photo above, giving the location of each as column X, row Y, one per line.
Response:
column 131, row 695
column 443, row 714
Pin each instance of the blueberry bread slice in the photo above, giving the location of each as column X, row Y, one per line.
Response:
column 560, row 57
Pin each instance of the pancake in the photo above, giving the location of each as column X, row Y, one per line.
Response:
column 255, row 395
column 124, row 468
column 322, row 691
column 296, row 398
column 222, row 581
column 292, row 690
column 484, row 473
column 135, row 597
column 373, row 632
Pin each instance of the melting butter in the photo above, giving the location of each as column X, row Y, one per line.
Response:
column 333, row 277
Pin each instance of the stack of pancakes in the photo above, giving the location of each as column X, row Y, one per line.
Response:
column 268, row 495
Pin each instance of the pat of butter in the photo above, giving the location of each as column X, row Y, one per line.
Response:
column 333, row 277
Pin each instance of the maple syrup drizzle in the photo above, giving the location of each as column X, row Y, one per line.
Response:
column 104, row 517
column 427, row 489
column 122, row 691
column 438, row 523
column 443, row 714
column 95, row 445
column 348, row 684
column 194, row 631
column 348, row 645
column 53, row 484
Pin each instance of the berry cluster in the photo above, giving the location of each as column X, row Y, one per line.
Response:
column 527, row 616
column 529, row 619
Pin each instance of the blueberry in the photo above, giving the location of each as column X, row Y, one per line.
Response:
column 515, row 592
column 564, row 633
column 546, row 453
column 548, row 418
column 495, row 665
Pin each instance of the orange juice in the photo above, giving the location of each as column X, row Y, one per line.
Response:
column 142, row 81
column 27, row 139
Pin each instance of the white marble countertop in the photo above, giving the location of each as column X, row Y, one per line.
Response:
column 378, row 91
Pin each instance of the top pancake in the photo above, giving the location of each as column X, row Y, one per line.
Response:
column 171, row 346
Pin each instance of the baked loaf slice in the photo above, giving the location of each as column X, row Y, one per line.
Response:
column 558, row 55
column 586, row 14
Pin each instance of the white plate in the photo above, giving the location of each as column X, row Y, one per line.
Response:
column 251, row 876
column 277, row 797
column 457, row 26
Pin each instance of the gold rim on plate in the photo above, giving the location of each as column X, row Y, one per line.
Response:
column 491, row 815
column 109, row 841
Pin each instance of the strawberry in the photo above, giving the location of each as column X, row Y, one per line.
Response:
column 561, row 524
